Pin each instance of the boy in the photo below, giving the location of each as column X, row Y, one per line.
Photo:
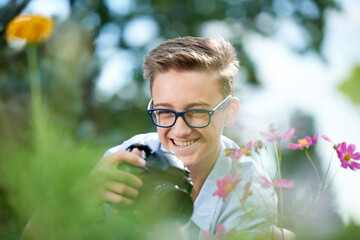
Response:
column 185, row 74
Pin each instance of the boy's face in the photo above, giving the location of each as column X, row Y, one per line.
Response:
column 181, row 91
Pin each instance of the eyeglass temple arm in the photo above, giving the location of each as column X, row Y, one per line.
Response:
column 150, row 104
column 218, row 107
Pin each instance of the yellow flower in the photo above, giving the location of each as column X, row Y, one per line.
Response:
column 29, row 28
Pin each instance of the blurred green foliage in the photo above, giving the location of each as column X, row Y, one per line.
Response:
column 43, row 159
column 351, row 85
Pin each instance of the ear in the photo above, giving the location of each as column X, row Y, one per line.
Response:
column 232, row 111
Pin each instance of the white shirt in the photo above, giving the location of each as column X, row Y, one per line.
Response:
column 258, row 212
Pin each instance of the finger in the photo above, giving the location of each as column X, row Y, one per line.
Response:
column 122, row 189
column 112, row 197
column 125, row 156
column 137, row 152
column 122, row 177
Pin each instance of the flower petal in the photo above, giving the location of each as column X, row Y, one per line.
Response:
column 265, row 183
column 344, row 164
column 354, row 165
column 289, row 134
column 220, row 230
column 351, row 148
column 326, row 138
column 284, row 183
column 208, row 235
column 274, row 138
column 356, row 156
column 249, row 145
column 342, row 147
column 314, row 139
column 264, row 134
column 294, row 146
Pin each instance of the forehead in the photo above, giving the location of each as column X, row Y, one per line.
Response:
column 189, row 84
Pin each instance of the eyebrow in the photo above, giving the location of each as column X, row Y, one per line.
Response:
column 191, row 105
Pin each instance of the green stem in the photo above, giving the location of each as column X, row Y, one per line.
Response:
column 34, row 75
column 327, row 171
column 322, row 187
column 278, row 163
column 332, row 179
column 313, row 165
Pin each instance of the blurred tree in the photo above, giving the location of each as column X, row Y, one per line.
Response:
column 71, row 70
column 71, row 61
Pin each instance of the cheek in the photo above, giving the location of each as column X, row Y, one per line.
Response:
column 217, row 122
column 162, row 133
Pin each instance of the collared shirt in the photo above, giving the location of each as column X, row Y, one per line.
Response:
column 258, row 212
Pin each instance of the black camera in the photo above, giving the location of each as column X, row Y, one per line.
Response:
column 166, row 191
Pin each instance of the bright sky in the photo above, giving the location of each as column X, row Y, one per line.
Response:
column 289, row 81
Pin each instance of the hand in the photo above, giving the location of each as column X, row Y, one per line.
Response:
column 105, row 183
column 113, row 185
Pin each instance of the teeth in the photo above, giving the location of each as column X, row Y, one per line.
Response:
column 184, row 144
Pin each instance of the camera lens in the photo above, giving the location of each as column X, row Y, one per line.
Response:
column 171, row 202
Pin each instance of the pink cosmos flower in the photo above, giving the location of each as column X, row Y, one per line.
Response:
column 276, row 183
column 346, row 155
column 304, row 142
column 227, row 185
column 247, row 191
column 265, row 183
column 247, row 149
column 236, row 154
column 259, row 145
column 275, row 134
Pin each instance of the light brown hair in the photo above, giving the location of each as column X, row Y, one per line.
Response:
column 194, row 53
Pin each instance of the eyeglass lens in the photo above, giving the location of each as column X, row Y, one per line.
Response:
column 196, row 118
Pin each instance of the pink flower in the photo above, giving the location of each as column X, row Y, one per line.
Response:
column 246, row 150
column 227, row 185
column 326, row 138
column 303, row 143
column 220, row 232
column 276, row 183
column 275, row 134
column 346, row 154
column 236, row 154
column 247, row 191
column 259, row 145
column 284, row 183
column 265, row 182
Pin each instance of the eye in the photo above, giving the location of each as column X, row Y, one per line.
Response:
column 163, row 112
column 198, row 111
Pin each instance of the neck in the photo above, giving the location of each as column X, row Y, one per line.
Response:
column 201, row 171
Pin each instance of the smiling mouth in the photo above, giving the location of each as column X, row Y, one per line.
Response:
column 183, row 143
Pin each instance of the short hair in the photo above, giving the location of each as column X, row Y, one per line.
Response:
column 194, row 53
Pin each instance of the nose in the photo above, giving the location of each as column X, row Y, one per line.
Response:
column 180, row 128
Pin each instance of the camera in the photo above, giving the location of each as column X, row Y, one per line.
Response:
column 166, row 191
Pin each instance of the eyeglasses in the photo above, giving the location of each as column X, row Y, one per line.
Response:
column 196, row 118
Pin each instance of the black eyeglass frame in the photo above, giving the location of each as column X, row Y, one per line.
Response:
column 182, row 114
